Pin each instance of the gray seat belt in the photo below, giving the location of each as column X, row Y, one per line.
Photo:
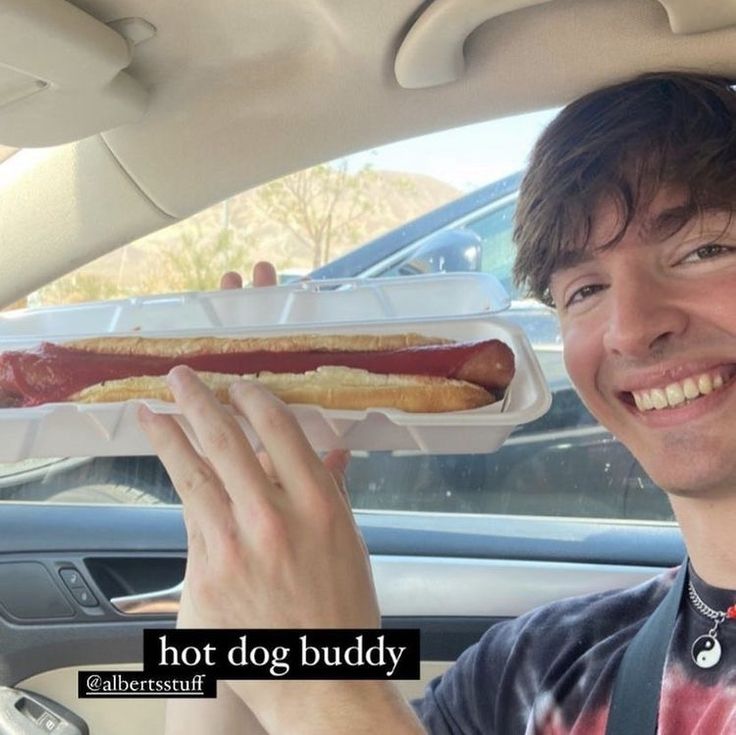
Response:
column 636, row 691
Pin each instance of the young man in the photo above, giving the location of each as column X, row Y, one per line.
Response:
column 625, row 225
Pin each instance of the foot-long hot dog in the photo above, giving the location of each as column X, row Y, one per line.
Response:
column 405, row 371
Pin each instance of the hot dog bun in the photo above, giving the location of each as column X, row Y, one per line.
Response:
column 176, row 346
column 329, row 387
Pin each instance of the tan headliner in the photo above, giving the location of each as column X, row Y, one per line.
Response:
column 243, row 91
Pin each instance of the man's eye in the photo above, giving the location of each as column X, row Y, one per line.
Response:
column 707, row 252
column 583, row 293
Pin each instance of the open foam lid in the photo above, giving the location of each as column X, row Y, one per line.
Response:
column 298, row 304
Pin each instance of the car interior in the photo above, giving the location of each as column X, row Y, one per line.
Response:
column 119, row 118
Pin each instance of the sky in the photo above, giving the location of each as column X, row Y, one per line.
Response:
column 466, row 157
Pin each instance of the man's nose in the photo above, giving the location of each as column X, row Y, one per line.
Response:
column 643, row 317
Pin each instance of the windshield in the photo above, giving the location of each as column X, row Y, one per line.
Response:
column 440, row 203
column 6, row 152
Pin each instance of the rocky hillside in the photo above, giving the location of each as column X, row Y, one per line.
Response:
column 298, row 223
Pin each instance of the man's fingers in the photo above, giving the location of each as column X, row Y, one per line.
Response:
column 264, row 274
column 200, row 490
column 230, row 280
column 291, row 455
column 336, row 463
column 196, row 544
column 222, row 440
column 268, row 467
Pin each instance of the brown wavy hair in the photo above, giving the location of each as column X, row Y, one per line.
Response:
column 625, row 142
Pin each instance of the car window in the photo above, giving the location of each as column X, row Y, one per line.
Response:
column 492, row 248
column 298, row 222
column 563, row 464
column 495, row 230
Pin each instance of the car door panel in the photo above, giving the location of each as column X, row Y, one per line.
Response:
column 103, row 716
column 450, row 576
column 137, row 715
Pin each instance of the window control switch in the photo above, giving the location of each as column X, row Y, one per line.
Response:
column 78, row 587
column 84, row 596
column 27, row 712
column 72, row 578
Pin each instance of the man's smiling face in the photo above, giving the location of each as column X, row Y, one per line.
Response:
column 649, row 331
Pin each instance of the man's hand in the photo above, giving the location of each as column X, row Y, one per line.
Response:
column 227, row 714
column 272, row 544
column 271, row 547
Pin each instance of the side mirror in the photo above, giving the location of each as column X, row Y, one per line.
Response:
column 445, row 251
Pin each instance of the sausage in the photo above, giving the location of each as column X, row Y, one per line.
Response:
column 336, row 371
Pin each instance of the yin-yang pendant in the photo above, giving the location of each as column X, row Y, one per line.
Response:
column 706, row 651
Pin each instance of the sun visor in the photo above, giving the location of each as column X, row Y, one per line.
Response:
column 432, row 52
column 61, row 75
column 686, row 16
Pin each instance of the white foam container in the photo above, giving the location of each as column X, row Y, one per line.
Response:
column 462, row 307
column 296, row 304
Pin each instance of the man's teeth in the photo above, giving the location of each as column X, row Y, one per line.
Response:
column 675, row 394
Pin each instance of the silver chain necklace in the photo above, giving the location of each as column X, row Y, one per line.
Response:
column 706, row 650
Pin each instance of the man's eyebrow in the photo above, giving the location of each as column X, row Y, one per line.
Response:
column 659, row 227
column 669, row 221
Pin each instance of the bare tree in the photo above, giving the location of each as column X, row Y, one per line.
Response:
column 326, row 208
column 79, row 286
column 197, row 259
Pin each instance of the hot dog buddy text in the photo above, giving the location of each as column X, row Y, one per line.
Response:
column 285, row 654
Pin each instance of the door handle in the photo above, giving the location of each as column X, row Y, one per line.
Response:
column 23, row 713
column 160, row 602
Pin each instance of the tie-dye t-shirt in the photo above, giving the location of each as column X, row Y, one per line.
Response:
column 551, row 671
